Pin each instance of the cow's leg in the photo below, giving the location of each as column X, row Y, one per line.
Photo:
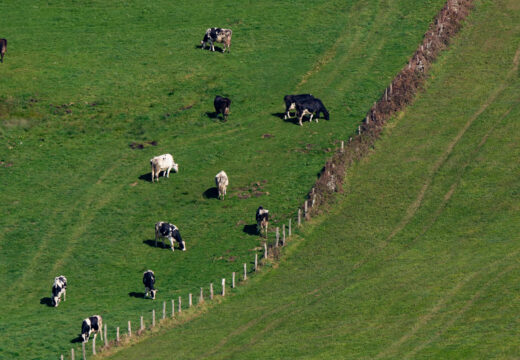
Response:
column 310, row 120
column 300, row 120
column 155, row 238
column 64, row 295
column 183, row 245
column 101, row 330
column 172, row 243
column 168, row 173
column 211, row 45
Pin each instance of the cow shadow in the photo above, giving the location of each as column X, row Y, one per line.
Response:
column 146, row 177
column 211, row 193
column 151, row 243
column 250, row 229
column 46, row 301
column 278, row 115
column 138, row 295
column 212, row 114
column 77, row 339
column 208, row 48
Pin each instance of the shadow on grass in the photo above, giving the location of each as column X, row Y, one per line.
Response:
column 279, row 115
column 211, row 193
column 250, row 229
column 146, row 177
column 46, row 301
column 151, row 242
column 212, row 114
column 138, row 295
column 76, row 340
column 208, row 48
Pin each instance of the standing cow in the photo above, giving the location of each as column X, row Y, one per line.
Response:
column 292, row 100
column 262, row 220
column 169, row 231
column 217, row 35
column 3, row 49
column 222, row 181
column 92, row 324
column 149, row 282
column 163, row 163
column 222, row 105
column 311, row 107
column 59, row 288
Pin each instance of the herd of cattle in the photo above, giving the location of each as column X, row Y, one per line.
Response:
column 304, row 104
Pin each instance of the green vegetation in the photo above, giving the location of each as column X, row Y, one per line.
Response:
column 81, row 82
column 419, row 259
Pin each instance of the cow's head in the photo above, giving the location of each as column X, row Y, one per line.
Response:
column 175, row 167
column 152, row 293
column 85, row 336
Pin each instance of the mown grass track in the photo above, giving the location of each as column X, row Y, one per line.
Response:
column 73, row 202
column 419, row 258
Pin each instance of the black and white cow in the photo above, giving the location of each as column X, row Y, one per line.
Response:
column 149, row 282
column 217, row 35
column 311, row 107
column 59, row 288
column 169, row 231
column 222, row 105
column 92, row 324
column 291, row 100
column 262, row 220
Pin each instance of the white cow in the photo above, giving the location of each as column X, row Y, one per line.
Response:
column 221, row 180
column 163, row 163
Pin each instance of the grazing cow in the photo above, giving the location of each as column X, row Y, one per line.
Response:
column 3, row 49
column 92, row 324
column 291, row 100
column 262, row 220
column 222, row 181
column 311, row 107
column 217, row 35
column 149, row 282
column 222, row 106
column 163, row 163
column 59, row 288
column 169, row 231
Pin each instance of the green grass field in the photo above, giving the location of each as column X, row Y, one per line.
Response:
column 419, row 258
column 81, row 82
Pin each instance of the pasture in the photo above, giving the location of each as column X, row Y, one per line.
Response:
column 81, row 83
column 419, row 257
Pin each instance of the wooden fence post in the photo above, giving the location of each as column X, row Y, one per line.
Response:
column 61, row 357
column 290, row 227
column 224, row 287
column 256, row 262
column 265, row 250
column 299, row 217
column 277, row 236
column 201, row 297
column 180, row 305
column 233, row 280
column 283, row 234
column 173, row 308
column 211, row 291
column 94, row 346
column 142, row 323
column 342, row 146
column 72, row 353
column 153, row 317
column 106, row 338
column 306, row 208
column 164, row 310
column 117, row 335
column 190, row 301
column 130, row 327
column 245, row 271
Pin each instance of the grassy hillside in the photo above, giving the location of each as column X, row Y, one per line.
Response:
column 82, row 82
column 420, row 257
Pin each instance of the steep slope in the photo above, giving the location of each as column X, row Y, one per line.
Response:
column 419, row 258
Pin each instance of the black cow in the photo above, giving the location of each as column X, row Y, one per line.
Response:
column 92, row 324
column 217, row 35
column 3, row 49
column 262, row 220
column 169, row 231
column 149, row 282
column 222, row 105
column 291, row 100
column 59, row 288
column 311, row 107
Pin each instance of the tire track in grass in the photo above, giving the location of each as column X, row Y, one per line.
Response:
column 463, row 310
column 414, row 206
column 243, row 329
